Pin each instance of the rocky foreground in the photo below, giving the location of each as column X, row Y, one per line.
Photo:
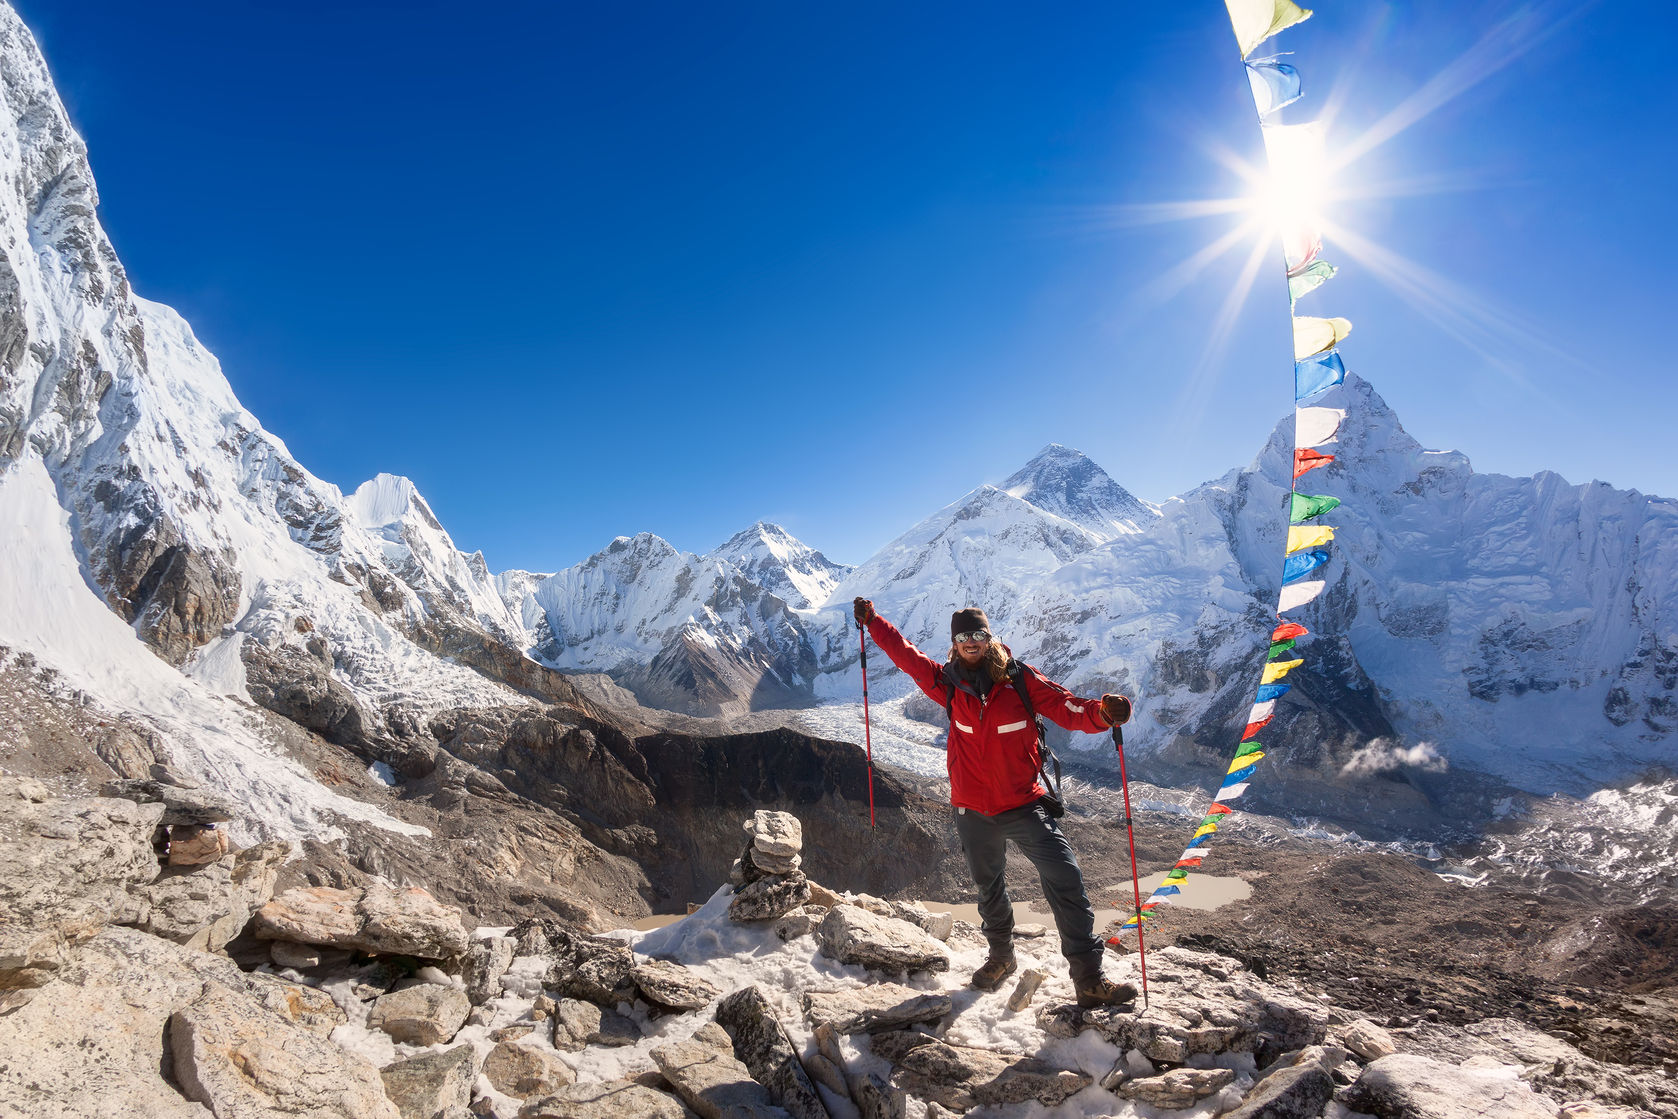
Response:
column 147, row 969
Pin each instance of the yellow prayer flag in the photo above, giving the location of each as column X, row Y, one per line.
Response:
column 1275, row 670
column 1204, row 829
column 1313, row 336
column 1245, row 760
column 1301, row 537
column 1257, row 20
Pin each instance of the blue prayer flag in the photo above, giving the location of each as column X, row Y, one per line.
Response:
column 1240, row 775
column 1164, row 890
column 1316, row 373
column 1301, row 564
column 1268, row 692
column 1275, row 83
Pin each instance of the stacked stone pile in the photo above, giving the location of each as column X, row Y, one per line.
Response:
column 767, row 877
column 378, row 1001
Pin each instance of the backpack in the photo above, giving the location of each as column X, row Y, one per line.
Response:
column 1052, row 802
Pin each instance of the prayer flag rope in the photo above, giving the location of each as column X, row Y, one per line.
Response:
column 1318, row 368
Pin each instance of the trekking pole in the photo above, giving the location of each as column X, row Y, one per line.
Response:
column 1135, row 881
column 867, row 734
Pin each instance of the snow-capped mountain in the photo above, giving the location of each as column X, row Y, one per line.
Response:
column 139, row 485
column 783, row 565
column 1067, row 483
column 686, row 632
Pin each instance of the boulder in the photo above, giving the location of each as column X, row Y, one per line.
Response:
column 487, row 961
column 672, row 985
column 309, row 1007
column 852, row 935
column 206, row 906
column 379, row 919
column 577, row 1024
column 581, row 966
column 432, row 1085
column 962, row 1078
column 1178, row 1089
column 244, row 1062
column 776, row 833
column 800, row 922
column 769, row 897
column 522, row 1071
column 196, row 844
column 91, row 1043
column 761, row 1043
column 181, row 804
column 706, row 1075
column 73, row 866
column 874, row 1008
column 1203, row 1003
column 1406, row 1086
column 1368, row 1040
column 614, row 1099
column 1298, row 1089
column 424, row 1014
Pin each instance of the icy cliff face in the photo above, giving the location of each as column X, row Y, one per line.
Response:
column 780, row 563
column 184, row 517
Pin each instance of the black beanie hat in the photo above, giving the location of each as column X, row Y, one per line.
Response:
column 968, row 620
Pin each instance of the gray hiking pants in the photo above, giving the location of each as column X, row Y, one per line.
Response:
column 984, row 840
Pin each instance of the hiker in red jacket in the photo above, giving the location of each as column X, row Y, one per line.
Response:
column 994, row 761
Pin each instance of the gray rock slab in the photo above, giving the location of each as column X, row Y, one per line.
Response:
column 776, row 833
column 1297, row 1091
column 853, row 935
column 1178, row 1089
column 1368, row 1040
column 1202, row 1004
column 244, row 1062
column 874, row 1008
column 379, row 919
column 1407, row 1086
column 615, row 1099
column 769, row 897
column 432, row 1085
column 424, row 1014
column 309, row 1007
column 962, row 1077
column 487, row 961
column 711, row 1080
column 522, row 1071
column 92, row 1042
column 180, row 805
column 762, row 1044
column 578, row 1024
column 672, row 985
column 579, row 965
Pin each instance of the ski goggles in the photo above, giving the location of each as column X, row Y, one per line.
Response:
column 979, row 635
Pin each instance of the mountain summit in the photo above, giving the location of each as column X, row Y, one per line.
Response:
column 1067, row 483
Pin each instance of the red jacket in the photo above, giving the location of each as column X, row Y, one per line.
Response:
column 992, row 756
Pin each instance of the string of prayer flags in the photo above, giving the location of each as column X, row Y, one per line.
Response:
column 1294, row 152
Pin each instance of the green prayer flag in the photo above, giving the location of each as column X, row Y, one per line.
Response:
column 1251, row 746
column 1279, row 648
column 1178, row 874
column 1310, row 278
column 1308, row 505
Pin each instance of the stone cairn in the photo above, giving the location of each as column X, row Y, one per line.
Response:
column 768, row 878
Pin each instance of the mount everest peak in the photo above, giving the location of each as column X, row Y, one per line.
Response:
column 1067, row 483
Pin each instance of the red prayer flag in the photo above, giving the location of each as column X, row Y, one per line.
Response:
column 1254, row 728
column 1306, row 459
column 1218, row 809
column 1194, row 862
column 1287, row 630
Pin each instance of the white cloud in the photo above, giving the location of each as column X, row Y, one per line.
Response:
column 1383, row 755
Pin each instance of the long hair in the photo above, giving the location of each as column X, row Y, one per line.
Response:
column 995, row 660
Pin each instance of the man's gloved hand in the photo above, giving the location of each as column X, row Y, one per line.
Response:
column 1115, row 709
column 864, row 611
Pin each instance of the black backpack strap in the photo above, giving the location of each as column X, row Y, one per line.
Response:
column 1016, row 674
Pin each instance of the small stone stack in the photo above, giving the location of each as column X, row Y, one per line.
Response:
column 768, row 880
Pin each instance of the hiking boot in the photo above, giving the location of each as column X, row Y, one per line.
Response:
column 1100, row 991
column 994, row 971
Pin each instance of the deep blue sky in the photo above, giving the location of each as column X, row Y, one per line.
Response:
column 587, row 270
